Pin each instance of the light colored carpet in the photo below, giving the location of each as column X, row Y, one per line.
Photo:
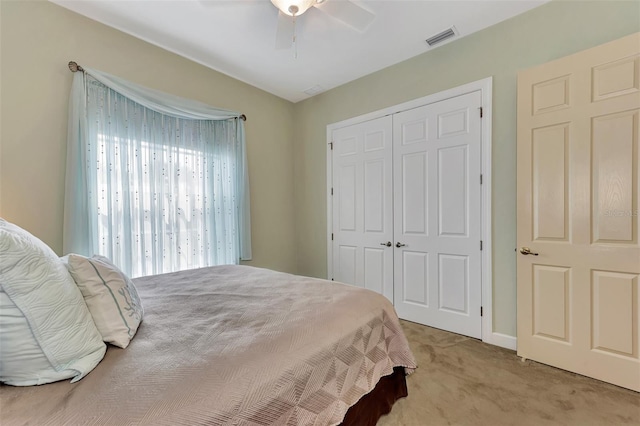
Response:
column 462, row 381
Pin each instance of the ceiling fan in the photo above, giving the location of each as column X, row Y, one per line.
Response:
column 344, row 11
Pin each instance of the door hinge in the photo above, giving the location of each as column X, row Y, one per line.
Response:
column 331, row 191
column 332, row 236
column 480, row 245
column 481, row 112
column 480, row 179
column 331, row 145
column 481, row 311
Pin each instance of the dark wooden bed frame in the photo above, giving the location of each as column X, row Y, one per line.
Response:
column 379, row 401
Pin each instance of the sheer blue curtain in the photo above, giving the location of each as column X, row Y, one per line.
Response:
column 154, row 182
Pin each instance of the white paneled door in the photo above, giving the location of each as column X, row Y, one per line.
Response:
column 437, row 228
column 406, row 210
column 362, row 206
column 578, row 222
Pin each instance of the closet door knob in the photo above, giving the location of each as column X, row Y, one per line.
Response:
column 399, row 244
column 388, row 244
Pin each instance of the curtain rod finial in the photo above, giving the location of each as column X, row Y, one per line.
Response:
column 74, row 67
column 243, row 117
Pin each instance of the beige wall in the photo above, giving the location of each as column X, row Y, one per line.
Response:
column 286, row 142
column 38, row 39
column 548, row 32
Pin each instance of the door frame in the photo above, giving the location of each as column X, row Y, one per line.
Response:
column 485, row 86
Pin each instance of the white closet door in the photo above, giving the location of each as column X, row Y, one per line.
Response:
column 363, row 206
column 437, row 214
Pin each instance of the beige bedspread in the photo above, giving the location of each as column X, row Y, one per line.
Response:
column 231, row 345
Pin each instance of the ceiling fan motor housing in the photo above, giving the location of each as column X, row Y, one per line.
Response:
column 293, row 7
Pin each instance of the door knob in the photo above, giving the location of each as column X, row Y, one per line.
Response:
column 527, row 250
column 399, row 244
column 388, row 244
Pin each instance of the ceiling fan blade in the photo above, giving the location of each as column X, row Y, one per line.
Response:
column 348, row 13
column 284, row 32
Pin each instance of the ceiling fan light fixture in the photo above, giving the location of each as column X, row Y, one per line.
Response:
column 293, row 7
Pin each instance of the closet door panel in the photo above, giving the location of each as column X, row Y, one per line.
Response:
column 437, row 194
column 362, row 206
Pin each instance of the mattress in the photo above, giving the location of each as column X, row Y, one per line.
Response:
column 231, row 345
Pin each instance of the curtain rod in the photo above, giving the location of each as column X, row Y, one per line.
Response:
column 74, row 67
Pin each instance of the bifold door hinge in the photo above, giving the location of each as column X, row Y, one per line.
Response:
column 332, row 236
column 480, row 245
column 331, row 191
column 480, row 179
column 331, row 145
column 481, row 312
column 481, row 112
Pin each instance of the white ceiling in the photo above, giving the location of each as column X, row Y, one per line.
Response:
column 237, row 37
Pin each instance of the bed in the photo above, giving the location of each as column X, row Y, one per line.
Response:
column 237, row 345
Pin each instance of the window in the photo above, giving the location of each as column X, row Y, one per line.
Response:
column 164, row 193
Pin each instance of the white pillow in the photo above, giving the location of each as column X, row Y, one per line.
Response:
column 110, row 295
column 22, row 361
column 43, row 309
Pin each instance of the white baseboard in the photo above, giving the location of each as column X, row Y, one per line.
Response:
column 503, row 340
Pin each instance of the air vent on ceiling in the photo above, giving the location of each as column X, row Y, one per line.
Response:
column 314, row 90
column 442, row 36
